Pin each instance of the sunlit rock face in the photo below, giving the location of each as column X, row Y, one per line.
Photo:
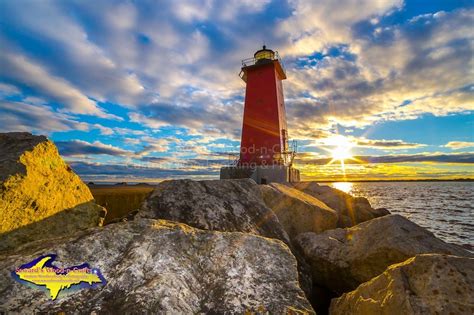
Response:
column 341, row 259
column 158, row 266
column 424, row 284
column 40, row 196
column 352, row 210
column 216, row 205
column 297, row 211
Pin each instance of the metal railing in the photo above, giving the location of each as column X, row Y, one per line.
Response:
column 290, row 154
column 252, row 61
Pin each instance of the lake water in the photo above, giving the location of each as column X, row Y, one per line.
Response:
column 444, row 208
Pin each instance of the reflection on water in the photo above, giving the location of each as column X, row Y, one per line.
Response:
column 445, row 208
column 344, row 186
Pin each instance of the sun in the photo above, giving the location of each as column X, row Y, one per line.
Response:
column 339, row 147
column 340, row 150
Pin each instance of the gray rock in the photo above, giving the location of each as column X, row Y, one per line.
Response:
column 352, row 210
column 40, row 196
column 233, row 205
column 341, row 259
column 297, row 211
column 158, row 266
column 215, row 205
column 380, row 212
column 424, row 284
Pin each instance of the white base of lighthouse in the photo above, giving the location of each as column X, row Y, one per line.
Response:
column 262, row 174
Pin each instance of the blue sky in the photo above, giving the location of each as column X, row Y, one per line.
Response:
column 146, row 90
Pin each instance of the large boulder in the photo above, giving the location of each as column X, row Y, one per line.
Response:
column 231, row 205
column 424, row 284
column 352, row 210
column 341, row 259
column 215, row 205
column 298, row 212
column 163, row 267
column 40, row 196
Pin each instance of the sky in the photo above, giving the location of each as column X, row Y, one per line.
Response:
column 141, row 91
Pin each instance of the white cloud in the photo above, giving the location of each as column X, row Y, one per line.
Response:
column 316, row 24
column 424, row 68
column 386, row 144
column 58, row 89
column 177, row 65
column 19, row 116
column 105, row 131
column 153, row 145
column 76, row 58
column 456, row 145
column 8, row 90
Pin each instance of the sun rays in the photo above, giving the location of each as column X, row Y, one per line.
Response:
column 340, row 149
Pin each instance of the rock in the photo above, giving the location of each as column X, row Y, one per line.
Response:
column 424, row 284
column 352, row 210
column 341, row 259
column 231, row 205
column 40, row 196
column 380, row 212
column 298, row 212
column 162, row 267
column 215, row 205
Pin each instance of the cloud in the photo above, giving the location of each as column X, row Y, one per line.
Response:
column 127, row 53
column 331, row 139
column 135, row 172
column 153, row 145
column 21, row 116
column 8, row 90
column 189, row 11
column 387, row 144
column 357, row 85
column 314, row 25
column 402, row 158
column 105, row 131
column 455, row 145
column 68, row 51
column 170, row 70
column 79, row 147
column 155, row 159
column 208, row 118
column 28, row 73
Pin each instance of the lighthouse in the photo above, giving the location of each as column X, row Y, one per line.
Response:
column 265, row 154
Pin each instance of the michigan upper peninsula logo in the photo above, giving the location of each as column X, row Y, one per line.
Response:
column 42, row 274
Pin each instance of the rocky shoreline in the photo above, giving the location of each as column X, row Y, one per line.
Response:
column 221, row 246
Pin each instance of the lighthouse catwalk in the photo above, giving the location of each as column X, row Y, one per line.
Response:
column 265, row 155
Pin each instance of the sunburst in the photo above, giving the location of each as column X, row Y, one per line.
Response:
column 340, row 149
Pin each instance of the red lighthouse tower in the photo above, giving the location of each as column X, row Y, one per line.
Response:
column 264, row 151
